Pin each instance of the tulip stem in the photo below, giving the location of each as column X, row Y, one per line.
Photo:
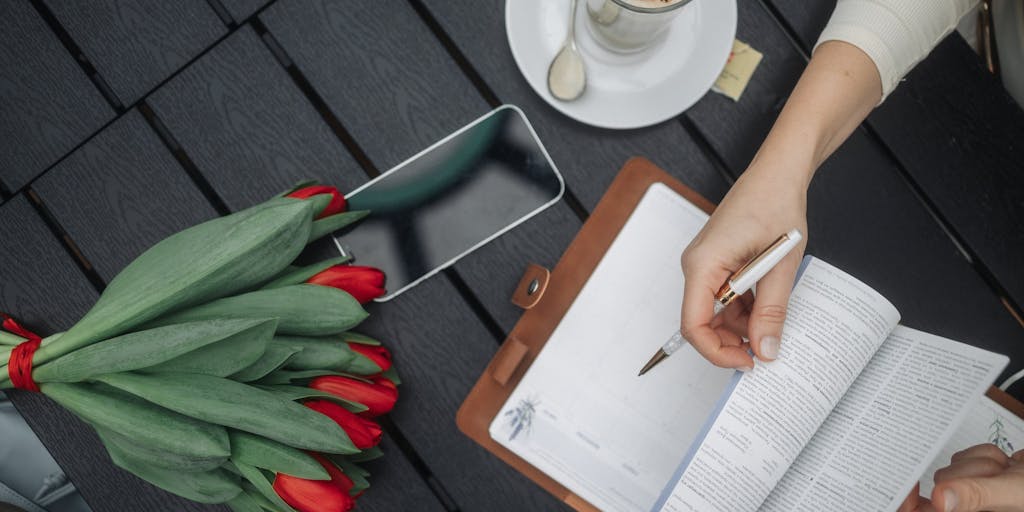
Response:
column 7, row 338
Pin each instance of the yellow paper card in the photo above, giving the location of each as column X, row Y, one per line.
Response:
column 738, row 69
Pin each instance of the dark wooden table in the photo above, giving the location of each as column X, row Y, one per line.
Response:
column 123, row 122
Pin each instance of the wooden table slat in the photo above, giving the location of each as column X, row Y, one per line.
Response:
column 247, row 127
column 971, row 169
column 120, row 193
column 135, row 45
column 395, row 485
column 48, row 106
column 242, row 9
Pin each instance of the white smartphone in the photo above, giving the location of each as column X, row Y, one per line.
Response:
column 444, row 202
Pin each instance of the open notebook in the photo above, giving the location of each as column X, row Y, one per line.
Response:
column 850, row 389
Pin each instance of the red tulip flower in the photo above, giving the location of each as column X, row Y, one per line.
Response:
column 337, row 204
column 364, row 433
column 363, row 283
column 379, row 395
column 375, row 353
column 304, row 495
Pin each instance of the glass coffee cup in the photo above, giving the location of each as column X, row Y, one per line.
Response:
column 629, row 26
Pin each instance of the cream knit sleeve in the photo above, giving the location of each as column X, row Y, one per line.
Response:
column 896, row 34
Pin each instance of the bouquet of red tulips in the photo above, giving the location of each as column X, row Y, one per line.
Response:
column 213, row 368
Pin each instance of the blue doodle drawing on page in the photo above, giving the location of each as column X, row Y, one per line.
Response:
column 521, row 416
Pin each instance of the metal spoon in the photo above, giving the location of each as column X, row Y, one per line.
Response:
column 567, row 77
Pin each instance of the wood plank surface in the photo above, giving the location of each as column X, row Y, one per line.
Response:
column 242, row 9
column 48, row 104
column 858, row 198
column 40, row 285
column 121, row 193
column 964, row 148
column 380, row 70
column 394, row 484
column 239, row 117
column 135, row 45
column 396, row 98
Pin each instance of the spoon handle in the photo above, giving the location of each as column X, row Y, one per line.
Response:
column 571, row 37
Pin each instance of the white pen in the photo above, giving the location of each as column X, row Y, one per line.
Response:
column 738, row 283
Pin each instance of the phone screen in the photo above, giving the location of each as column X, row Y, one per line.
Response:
column 451, row 198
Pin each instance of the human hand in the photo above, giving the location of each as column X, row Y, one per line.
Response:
column 768, row 200
column 979, row 478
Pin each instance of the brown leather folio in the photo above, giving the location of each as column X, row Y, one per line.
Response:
column 546, row 296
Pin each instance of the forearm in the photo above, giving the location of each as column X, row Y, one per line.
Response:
column 837, row 90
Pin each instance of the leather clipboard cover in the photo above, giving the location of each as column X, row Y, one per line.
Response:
column 555, row 296
column 538, row 322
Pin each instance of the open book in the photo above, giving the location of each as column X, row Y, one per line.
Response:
column 848, row 417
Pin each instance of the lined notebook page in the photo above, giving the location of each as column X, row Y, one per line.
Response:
column 580, row 414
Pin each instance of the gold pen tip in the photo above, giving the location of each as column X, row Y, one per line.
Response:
column 658, row 357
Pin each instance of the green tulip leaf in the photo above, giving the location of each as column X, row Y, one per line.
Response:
column 273, row 358
column 300, row 393
column 214, row 259
column 332, row 223
column 317, row 353
column 10, row 340
column 149, row 348
column 329, row 352
column 273, row 456
column 366, row 455
column 262, row 501
column 244, row 502
column 299, row 275
column 353, row 472
column 392, row 375
column 144, row 422
column 157, row 457
column 237, row 405
column 214, row 486
column 259, row 481
column 302, row 309
column 362, row 339
column 286, row 377
column 298, row 185
column 225, row 357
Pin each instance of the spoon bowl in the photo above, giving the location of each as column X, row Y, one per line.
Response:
column 567, row 75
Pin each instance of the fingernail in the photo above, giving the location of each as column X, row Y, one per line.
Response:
column 746, row 369
column 949, row 497
column 770, row 347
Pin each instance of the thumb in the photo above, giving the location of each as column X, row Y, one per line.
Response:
column 769, row 311
column 1001, row 492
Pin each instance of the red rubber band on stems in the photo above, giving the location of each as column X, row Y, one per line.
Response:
column 19, row 366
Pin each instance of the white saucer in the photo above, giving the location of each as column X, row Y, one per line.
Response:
column 625, row 90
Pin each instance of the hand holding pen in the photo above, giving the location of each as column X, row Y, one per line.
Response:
column 739, row 283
